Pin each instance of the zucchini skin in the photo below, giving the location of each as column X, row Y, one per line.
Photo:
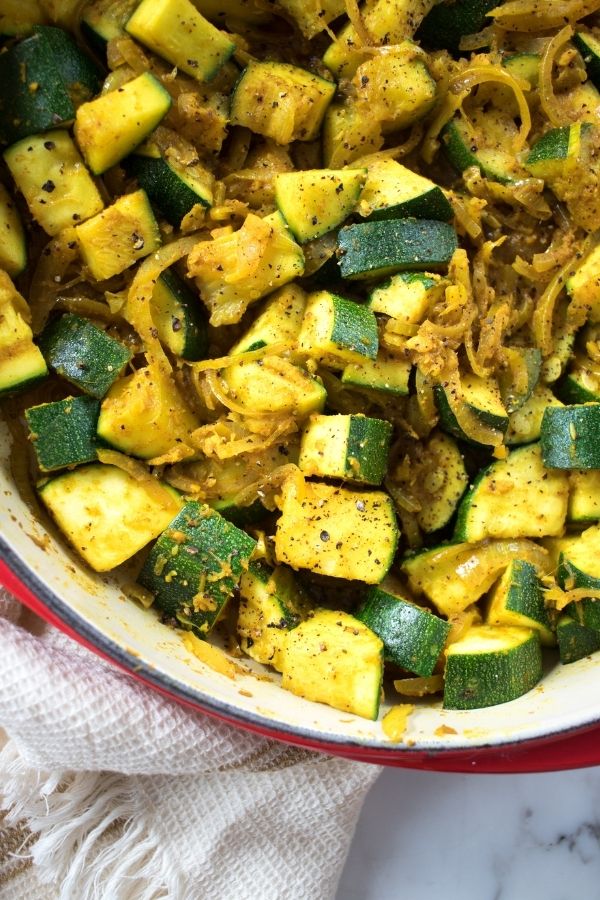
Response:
column 575, row 641
column 174, row 198
column 63, row 433
column 570, row 437
column 518, row 599
column 447, row 23
column 589, row 47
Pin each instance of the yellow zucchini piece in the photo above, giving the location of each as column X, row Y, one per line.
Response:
column 396, row 88
column 274, row 386
column 278, row 322
column 316, row 201
column 349, row 133
column 312, row 16
column 21, row 362
column 13, row 247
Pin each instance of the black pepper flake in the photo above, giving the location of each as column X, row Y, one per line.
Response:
column 324, row 536
column 48, row 186
column 176, row 324
column 49, row 145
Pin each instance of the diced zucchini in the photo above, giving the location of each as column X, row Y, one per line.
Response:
column 447, row 23
column 589, row 47
column 237, row 269
column 145, row 415
column 524, row 65
column 413, row 637
column 337, row 331
column 584, row 496
column 245, row 11
column 179, row 317
column 180, row 34
column 63, row 433
column 518, row 599
column 491, row 665
column 13, row 247
column 21, row 362
column 83, row 354
column 575, row 641
column 349, row 134
column 280, row 101
column 18, row 17
column 393, row 192
column 485, row 141
column 407, row 296
column 195, row 565
column 274, row 385
column 375, row 249
column 514, row 497
column 336, row 531
column 333, row 658
column 116, row 238
column 109, row 127
column 525, row 425
column 454, row 576
column 482, row 398
column 386, row 373
column 579, row 567
column 354, row 448
column 106, row 513
column 570, row 437
column 316, row 201
column 174, row 188
column 44, row 78
column 552, row 154
column 579, row 385
column 50, row 173
column 279, row 321
column 271, row 604
column 442, row 481
column 313, row 17
column 514, row 395
column 584, row 286
column 104, row 20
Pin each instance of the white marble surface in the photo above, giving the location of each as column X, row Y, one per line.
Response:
column 424, row 836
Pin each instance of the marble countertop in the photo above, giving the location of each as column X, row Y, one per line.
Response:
column 423, row 836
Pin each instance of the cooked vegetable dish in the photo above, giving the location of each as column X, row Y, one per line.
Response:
column 300, row 323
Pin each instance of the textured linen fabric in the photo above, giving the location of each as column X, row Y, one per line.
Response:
column 112, row 791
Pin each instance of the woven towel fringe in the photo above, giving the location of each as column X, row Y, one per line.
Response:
column 72, row 827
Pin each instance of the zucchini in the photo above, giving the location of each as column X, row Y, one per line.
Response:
column 21, row 362
column 110, row 126
column 18, row 17
column 394, row 192
column 407, row 296
column 83, row 354
column 317, row 201
column 106, row 513
column 59, row 76
column 312, row 18
column 348, row 134
column 57, row 187
column 583, row 286
column 589, row 47
column 554, row 152
column 525, row 425
column 441, row 480
column 481, row 397
column 63, row 433
column 483, row 142
column 579, row 567
column 227, row 283
column 375, row 249
column 575, row 641
column 514, row 497
column 337, row 331
column 333, row 658
column 195, row 565
column 385, row 373
column 280, row 101
column 175, row 30
column 584, row 496
column 413, row 637
column 174, row 188
column 579, row 385
column 350, row 534
column 113, row 240
column 518, row 599
column 455, row 576
column 448, row 22
column 491, row 665
column 271, row 604
column 13, row 247
column 354, row 448
column 514, row 395
column 104, row 20
column 524, row 65
column 179, row 317
column 279, row 321
column 569, row 437
column 273, row 385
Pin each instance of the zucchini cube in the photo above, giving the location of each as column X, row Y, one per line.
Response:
column 274, row 385
column 83, row 354
column 316, row 201
column 518, row 599
column 394, row 192
column 13, row 246
column 174, row 189
column 63, row 433
column 337, row 331
column 179, row 317
column 21, row 361
column 354, row 448
column 407, row 296
column 575, row 641
column 387, row 374
column 278, row 322
column 195, row 565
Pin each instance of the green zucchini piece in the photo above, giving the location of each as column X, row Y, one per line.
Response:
column 375, row 249
column 18, row 17
column 83, row 354
column 279, row 322
column 13, row 246
column 518, row 599
column 316, row 201
column 354, row 448
column 482, row 397
column 104, row 20
column 21, row 361
column 570, row 435
column 349, row 134
column 484, row 142
column 575, row 641
column 584, row 496
column 312, row 19
column 116, row 238
column 386, row 374
column 109, row 127
column 443, row 483
column 337, row 331
column 336, row 531
column 579, row 385
column 579, row 567
column 179, row 317
column 63, row 433
column 59, row 76
column 515, row 396
column 589, row 47
column 195, row 565
column 107, row 514
column 271, row 604
column 57, row 187
column 394, row 192
column 173, row 188
column 491, row 665
column 333, row 658
column 274, row 385
column 514, row 497
column 413, row 637
column 524, row 65
column 448, row 22
column 280, row 101
column 525, row 425
column 583, row 286
column 407, row 296
column 552, row 153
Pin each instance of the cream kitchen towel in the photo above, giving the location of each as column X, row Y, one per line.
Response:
column 111, row 791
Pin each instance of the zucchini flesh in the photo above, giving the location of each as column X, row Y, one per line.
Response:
column 482, row 397
column 582, row 286
column 392, row 191
column 13, row 247
column 348, row 134
column 589, row 47
column 552, row 154
column 525, row 424
column 337, row 331
column 63, row 433
column 275, row 386
column 21, row 361
column 579, row 385
column 317, row 201
column 408, row 94
column 518, row 599
column 575, row 641
column 354, row 448
column 375, row 249
column 279, row 322
column 584, row 496
column 104, row 20
column 579, row 567
column 484, row 143
column 312, row 18
column 407, row 296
